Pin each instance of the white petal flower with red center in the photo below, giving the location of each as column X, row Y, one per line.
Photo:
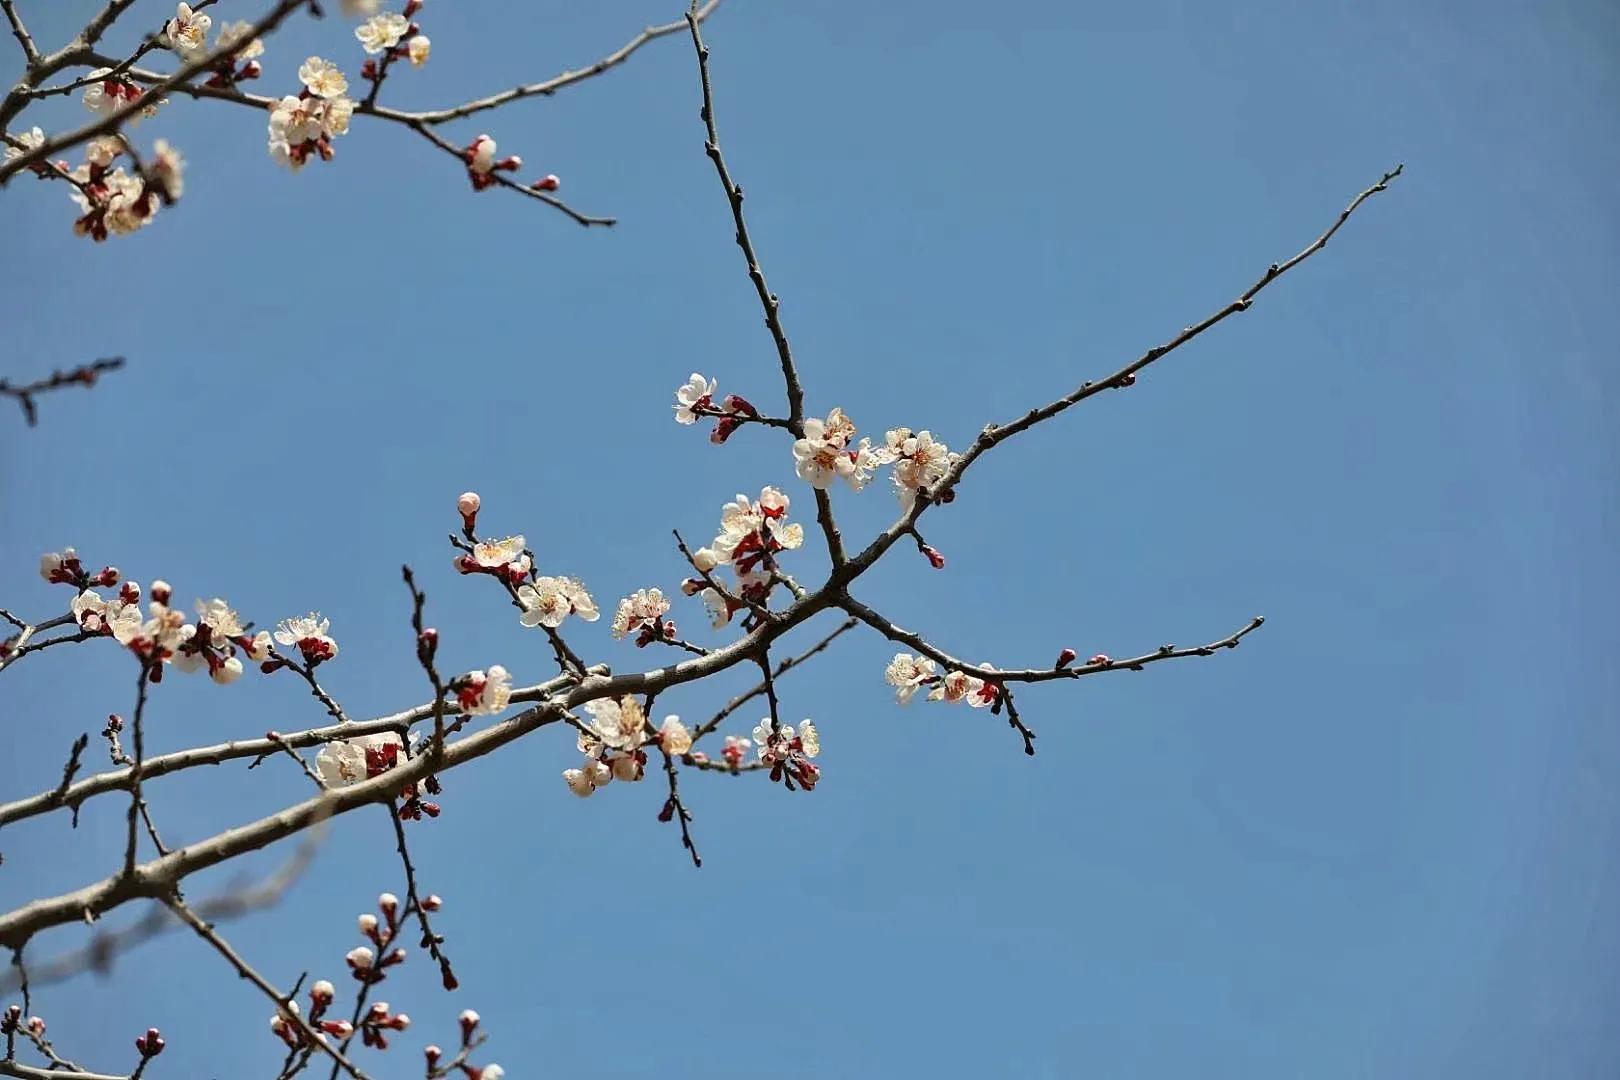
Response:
column 919, row 462
column 549, row 600
column 484, row 693
column 258, row 647
column 349, row 761
column 736, row 748
column 322, row 78
column 640, row 609
column 382, row 32
column 696, row 392
column 217, row 615
column 187, row 32
column 495, row 554
column 906, row 673
column 308, row 634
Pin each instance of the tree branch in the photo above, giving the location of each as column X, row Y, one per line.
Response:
column 84, row 375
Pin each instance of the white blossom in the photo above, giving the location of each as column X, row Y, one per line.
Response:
column 322, row 77
column 31, row 140
column 584, row 780
column 308, row 633
column 349, row 761
column 696, row 391
column 485, row 693
column 483, row 159
column 188, row 31
column 906, row 673
column 617, row 723
column 418, row 49
column 217, row 615
column 919, row 462
column 382, row 32
column 674, row 737
column 549, row 600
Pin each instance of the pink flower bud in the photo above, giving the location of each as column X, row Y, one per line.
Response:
column 108, row 576
column 250, row 70
column 432, row 902
column 151, row 1044
column 1100, row 658
column 935, row 559
column 432, row 1053
column 1065, row 658
column 161, row 591
column 388, row 903
column 36, row 1025
column 341, row 1028
column 549, row 182
column 322, row 992
column 367, row 923
column 468, row 503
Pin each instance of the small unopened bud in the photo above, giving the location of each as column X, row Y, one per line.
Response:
column 108, row 576
column 250, row 70
column 322, row 992
column 432, row 1053
column 1065, row 658
column 341, row 1028
column 412, row 7
column 115, row 722
column 388, row 903
column 1101, row 658
column 935, row 559
column 36, row 1025
column 491, row 1072
column 151, row 1044
column 432, row 902
column 705, row 559
column 468, row 503
column 469, row 1022
column 359, row 958
column 130, row 593
column 367, row 923
column 161, row 591
column 549, row 182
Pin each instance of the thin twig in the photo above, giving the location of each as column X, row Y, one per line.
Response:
column 84, row 375
column 246, row 971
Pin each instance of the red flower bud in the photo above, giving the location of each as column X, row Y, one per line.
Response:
column 1065, row 658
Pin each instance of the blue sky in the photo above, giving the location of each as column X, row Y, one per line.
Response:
column 1377, row 841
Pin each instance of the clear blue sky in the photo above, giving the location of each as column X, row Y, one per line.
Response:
column 1380, row 840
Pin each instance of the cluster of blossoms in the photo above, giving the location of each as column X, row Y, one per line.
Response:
column 906, row 673
column 482, row 165
column 828, row 451
column 695, row 398
column 642, row 613
column 752, row 533
column 162, row 635
column 284, row 1024
column 108, row 95
column 371, row 967
column 114, row 202
column 786, row 752
column 614, row 742
column 306, row 124
column 350, row 761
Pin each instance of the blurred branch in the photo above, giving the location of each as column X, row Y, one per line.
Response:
column 84, row 375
